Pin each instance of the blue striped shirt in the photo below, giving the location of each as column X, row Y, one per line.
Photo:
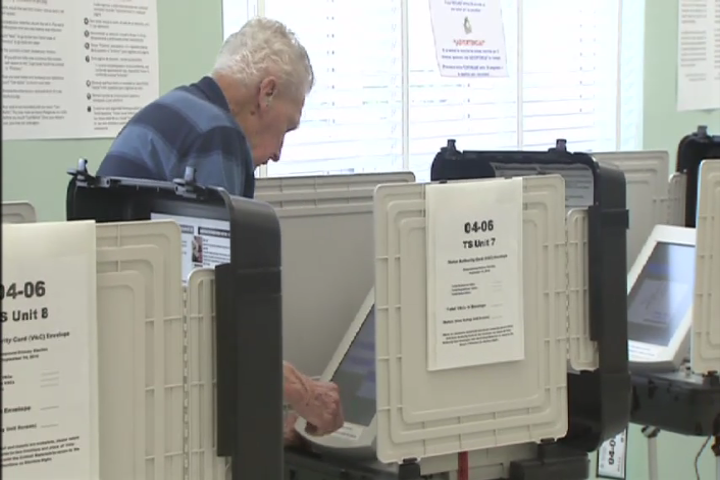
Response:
column 188, row 126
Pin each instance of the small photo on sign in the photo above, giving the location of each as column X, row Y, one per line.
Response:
column 197, row 250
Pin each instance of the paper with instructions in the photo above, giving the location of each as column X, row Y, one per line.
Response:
column 76, row 69
column 205, row 242
column 698, row 73
column 49, row 352
column 469, row 38
column 474, row 273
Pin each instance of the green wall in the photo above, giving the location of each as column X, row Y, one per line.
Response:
column 663, row 125
column 190, row 33
column 663, row 128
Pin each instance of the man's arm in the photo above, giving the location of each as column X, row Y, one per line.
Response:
column 295, row 388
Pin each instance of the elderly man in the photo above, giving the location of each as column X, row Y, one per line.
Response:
column 226, row 125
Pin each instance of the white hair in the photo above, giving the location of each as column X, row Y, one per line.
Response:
column 264, row 47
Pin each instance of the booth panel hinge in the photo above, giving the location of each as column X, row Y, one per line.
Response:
column 568, row 292
column 186, row 392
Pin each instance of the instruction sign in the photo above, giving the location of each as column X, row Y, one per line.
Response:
column 469, row 38
column 474, row 273
column 205, row 242
column 49, row 356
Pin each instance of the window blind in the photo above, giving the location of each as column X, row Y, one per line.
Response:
column 563, row 82
column 352, row 121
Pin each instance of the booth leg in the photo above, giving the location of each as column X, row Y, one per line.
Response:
column 716, row 451
column 652, row 459
column 651, row 433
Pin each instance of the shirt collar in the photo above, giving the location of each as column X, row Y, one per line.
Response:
column 210, row 88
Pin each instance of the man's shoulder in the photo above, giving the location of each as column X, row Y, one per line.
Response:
column 184, row 105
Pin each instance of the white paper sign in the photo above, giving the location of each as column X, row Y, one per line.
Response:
column 611, row 457
column 474, row 273
column 469, row 38
column 205, row 243
column 698, row 73
column 49, row 356
column 77, row 68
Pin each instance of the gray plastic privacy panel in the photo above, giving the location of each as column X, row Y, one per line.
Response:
column 647, row 193
column 705, row 343
column 583, row 352
column 676, row 208
column 327, row 257
column 202, row 377
column 18, row 212
column 423, row 414
column 140, row 351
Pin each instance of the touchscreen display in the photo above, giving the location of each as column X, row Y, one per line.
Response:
column 355, row 376
column 662, row 294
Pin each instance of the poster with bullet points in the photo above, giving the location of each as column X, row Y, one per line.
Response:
column 77, row 69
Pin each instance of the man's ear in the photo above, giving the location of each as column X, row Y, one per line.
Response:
column 268, row 90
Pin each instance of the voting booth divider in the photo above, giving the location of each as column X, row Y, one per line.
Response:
column 706, row 312
column 327, row 252
column 649, row 201
column 18, row 212
column 424, row 413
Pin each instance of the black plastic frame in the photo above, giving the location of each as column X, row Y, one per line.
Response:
column 674, row 404
column 692, row 150
column 248, row 304
column 552, row 461
column 598, row 401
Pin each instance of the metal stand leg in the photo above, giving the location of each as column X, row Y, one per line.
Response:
column 651, row 434
column 716, row 451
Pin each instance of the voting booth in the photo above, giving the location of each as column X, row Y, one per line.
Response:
column 159, row 348
column 675, row 385
column 425, row 416
column 597, row 220
column 692, row 149
column 674, row 346
column 674, row 379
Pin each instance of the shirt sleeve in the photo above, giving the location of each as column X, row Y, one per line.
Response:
column 221, row 157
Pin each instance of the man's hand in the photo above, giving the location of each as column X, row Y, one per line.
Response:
column 291, row 438
column 323, row 410
column 317, row 402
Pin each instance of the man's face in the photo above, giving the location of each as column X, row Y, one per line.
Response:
column 276, row 116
